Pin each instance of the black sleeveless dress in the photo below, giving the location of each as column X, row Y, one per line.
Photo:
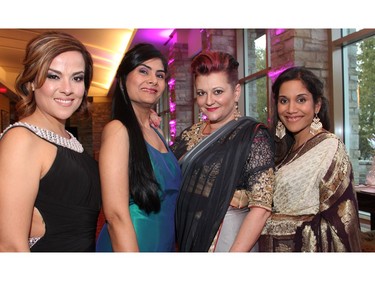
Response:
column 68, row 199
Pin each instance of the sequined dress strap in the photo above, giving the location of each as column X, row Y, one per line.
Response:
column 49, row 136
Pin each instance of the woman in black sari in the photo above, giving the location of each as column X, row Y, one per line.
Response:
column 227, row 163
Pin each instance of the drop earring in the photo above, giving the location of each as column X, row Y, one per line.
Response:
column 316, row 125
column 200, row 116
column 237, row 113
column 280, row 130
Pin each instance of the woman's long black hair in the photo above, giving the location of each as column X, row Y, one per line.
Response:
column 144, row 189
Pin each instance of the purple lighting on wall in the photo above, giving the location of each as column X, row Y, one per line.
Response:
column 279, row 31
column 154, row 33
column 172, row 110
column 275, row 73
column 172, row 106
column 171, row 82
column 156, row 36
column 172, row 127
column 166, row 33
column 170, row 61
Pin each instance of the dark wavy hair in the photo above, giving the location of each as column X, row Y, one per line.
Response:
column 144, row 189
column 40, row 52
column 315, row 86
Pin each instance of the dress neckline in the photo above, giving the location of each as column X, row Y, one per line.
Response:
column 162, row 139
column 71, row 143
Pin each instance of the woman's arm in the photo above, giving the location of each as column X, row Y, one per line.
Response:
column 114, row 177
column 250, row 230
column 262, row 181
column 260, row 203
column 21, row 167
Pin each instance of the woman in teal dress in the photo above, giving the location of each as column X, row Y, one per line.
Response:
column 140, row 176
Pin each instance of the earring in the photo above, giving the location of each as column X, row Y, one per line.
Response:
column 200, row 116
column 237, row 113
column 280, row 130
column 316, row 125
column 32, row 87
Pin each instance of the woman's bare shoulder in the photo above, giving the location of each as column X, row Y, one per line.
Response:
column 114, row 127
column 19, row 137
column 21, row 147
column 114, row 131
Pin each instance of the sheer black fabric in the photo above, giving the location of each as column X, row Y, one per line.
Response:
column 213, row 176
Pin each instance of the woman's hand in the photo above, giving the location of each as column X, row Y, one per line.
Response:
column 155, row 119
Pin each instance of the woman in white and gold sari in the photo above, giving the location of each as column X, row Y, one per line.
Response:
column 314, row 204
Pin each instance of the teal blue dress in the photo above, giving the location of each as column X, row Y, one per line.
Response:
column 156, row 231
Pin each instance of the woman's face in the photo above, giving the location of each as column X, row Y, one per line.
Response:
column 295, row 107
column 216, row 98
column 62, row 92
column 146, row 83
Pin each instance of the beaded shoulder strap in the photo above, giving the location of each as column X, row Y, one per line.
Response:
column 50, row 136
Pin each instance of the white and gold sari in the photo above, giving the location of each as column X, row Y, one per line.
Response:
column 314, row 205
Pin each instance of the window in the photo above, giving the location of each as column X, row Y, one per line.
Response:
column 255, row 81
column 354, row 95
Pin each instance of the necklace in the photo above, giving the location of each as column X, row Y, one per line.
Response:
column 50, row 136
column 194, row 135
column 294, row 157
column 202, row 133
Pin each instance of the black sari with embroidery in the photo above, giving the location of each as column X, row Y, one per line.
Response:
column 212, row 176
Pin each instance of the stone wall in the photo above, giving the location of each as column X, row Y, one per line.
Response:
column 301, row 47
column 101, row 114
column 181, row 91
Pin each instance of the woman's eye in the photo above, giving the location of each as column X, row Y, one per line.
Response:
column 78, row 78
column 200, row 93
column 301, row 100
column 282, row 101
column 52, row 76
column 218, row 92
column 160, row 75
